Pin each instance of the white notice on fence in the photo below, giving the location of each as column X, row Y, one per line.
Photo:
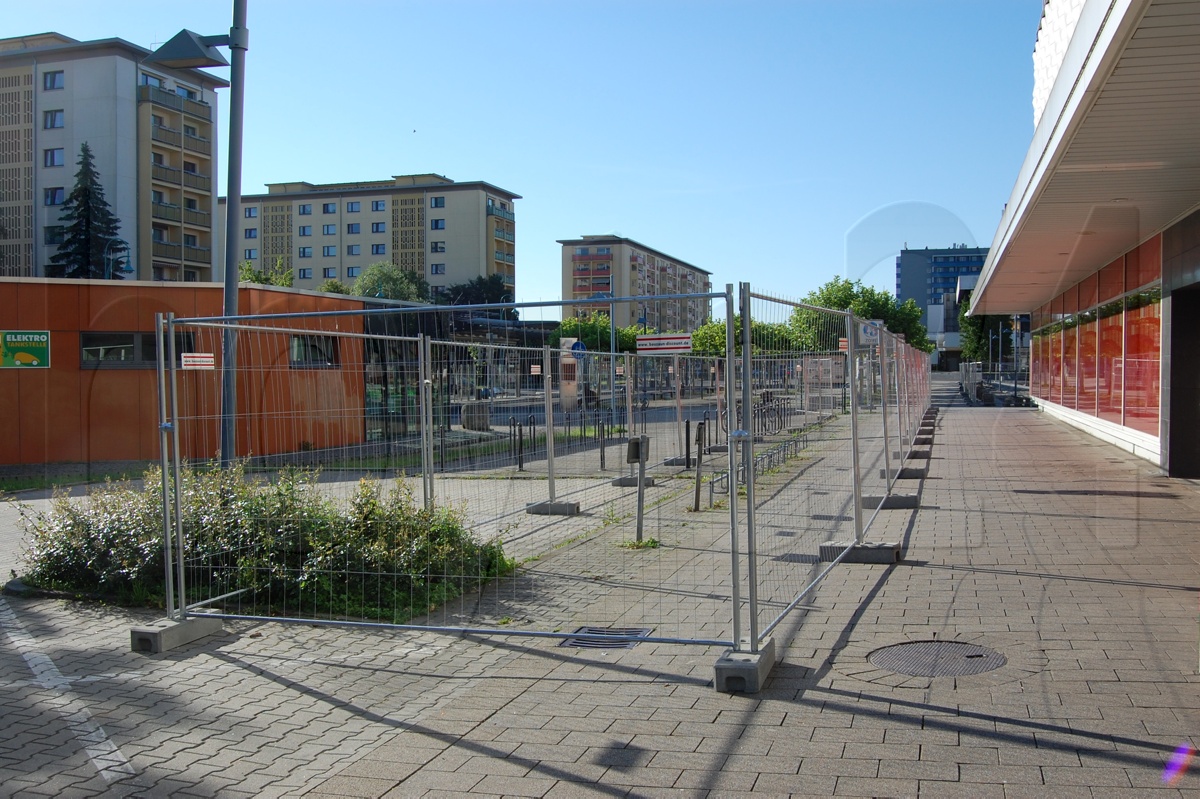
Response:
column 198, row 360
column 664, row 344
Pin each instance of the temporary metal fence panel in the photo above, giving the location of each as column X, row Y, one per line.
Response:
column 454, row 433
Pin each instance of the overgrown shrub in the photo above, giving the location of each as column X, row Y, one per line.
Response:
column 278, row 547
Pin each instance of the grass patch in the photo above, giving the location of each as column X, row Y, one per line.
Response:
column 645, row 543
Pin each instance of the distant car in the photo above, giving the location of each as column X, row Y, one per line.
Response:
column 489, row 392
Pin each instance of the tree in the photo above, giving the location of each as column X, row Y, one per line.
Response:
column 333, row 286
column 275, row 274
column 388, row 281
column 819, row 332
column 480, row 291
column 976, row 333
column 765, row 337
column 91, row 228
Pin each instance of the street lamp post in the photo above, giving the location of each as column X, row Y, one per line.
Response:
column 108, row 255
column 187, row 50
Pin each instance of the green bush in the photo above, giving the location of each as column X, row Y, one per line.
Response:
column 278, row 547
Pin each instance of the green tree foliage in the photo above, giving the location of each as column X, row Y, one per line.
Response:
column 332, row 286
column 275, row 274
column 975, row 333
column 817, row 332
column 91, row 226
column 388, row 281
column 593, row 331
column 709, row 338
column 480, row 291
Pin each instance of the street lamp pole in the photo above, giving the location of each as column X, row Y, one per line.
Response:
column 108, row 247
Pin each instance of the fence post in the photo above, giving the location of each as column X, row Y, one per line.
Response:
column 852, row 379
column 883, row 409
column 748, row 455
column 549, row 405
column 164, row 439
column 426, row 400
column 629, row 381
column 731, row 481
column 176, row 477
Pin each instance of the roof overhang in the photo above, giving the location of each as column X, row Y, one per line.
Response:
column 1114, row 159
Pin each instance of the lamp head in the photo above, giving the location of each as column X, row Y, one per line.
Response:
column 187, row 50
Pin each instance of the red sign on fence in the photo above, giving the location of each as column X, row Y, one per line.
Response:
column 664, row 344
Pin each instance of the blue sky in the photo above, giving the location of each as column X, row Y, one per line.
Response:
column 746, row 138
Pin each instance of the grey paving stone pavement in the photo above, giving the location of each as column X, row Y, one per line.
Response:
column 1073, row 560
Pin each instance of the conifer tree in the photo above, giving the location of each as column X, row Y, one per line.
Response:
column 91, row 226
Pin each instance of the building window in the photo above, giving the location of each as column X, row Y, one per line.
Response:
column 158, row 158
column 581, row 250
column 378, row 205
column 329, row 230
column 304, row 274
column 353, row 271
column 190, row 167
column 250, row 212
column 604, row 251
column 189, row 240
column 190, row 130
column 306, row 252
column 328, row 251
column 54, row 80
column 305, row 209
column 437, row 246
column 329, row 208
column 379, row 227
column 353, row 207
column 313, row 352
column 185, row 92
column 54, row 196
column 54, row 235
column 159, row 233
column 437, row 269
column 304, row 230
column 378, row 249
column 53, row 119
column 126, row 350
column 53, row 157
column 353, row 249
column 250, row 255
column 152, row 80
column 437, row 202
column 353, row 228
column 251, row 233
column 437, row 224
column 329, row 272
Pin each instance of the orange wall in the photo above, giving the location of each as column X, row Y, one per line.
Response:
column 68, row 414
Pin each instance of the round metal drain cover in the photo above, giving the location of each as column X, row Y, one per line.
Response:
column 937, row 659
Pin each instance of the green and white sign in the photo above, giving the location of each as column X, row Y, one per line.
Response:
column 24, row 349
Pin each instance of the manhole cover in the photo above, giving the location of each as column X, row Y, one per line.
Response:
column 937, row 659
column 606, row 637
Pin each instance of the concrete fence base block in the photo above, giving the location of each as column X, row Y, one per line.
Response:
column 926, row 430
column 553, row 508
column 891, row 502
column 677, row 462
column 866, row 552
column 718, row 448
column 920, row 454
column 170, row 634
column 883, row 473
column 744, row 671
column 923, row 441
column 631, row 482
column 913, row 473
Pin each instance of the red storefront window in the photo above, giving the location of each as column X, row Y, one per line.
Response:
column 1112, row 280
column 1143, row 266
column 1110, row 366
column 1142, row 352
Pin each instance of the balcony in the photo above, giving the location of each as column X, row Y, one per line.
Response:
column 582, row 270
column 199, row 254
column 601, row 257
column 168, row 99
column 165, row 249
column 194, row 180
column 165, row 135
column 504, row 235
column 192, row 216
column 197, row 144
column 171, row 213
column 509, row 258
column 495, row 210
column 167, row 174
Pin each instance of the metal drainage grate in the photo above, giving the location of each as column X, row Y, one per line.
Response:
column 606, row 637
column 937, row 658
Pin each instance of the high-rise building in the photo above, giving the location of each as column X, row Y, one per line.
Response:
column 447, row 232
column 611, row 266
column 926, row 276
column 152, row 132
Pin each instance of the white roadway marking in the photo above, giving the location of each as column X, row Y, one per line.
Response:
column 105, row 755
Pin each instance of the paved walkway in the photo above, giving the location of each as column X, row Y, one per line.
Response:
column 1073, row 561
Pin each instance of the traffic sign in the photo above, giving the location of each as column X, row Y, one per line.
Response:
column 664, row 344
column 579, row 350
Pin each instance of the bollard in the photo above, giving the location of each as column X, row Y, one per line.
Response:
column 699, row 466
column 687, row 445
column 520, row 448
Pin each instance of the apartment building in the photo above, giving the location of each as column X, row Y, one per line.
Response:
column 448, row 232
column 153, row 134
column 612, row 266
column 927, row 275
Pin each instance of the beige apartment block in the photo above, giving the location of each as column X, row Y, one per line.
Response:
column 447, row 232
column 153, row 134
column 611, row 266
